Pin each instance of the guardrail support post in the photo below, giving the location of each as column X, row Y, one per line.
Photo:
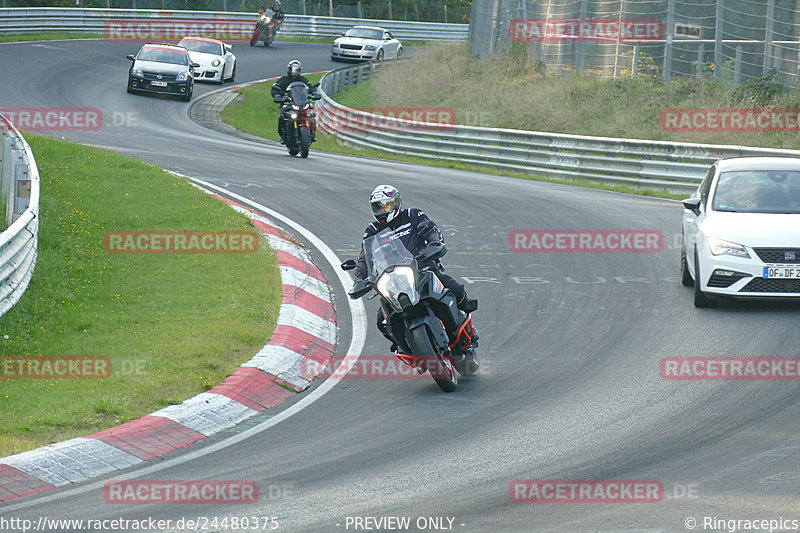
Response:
column 698, row 70
column 737, row 65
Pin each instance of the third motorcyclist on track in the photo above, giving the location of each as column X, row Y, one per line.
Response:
column 293, row 70
column 386, row 208
column 277, row 9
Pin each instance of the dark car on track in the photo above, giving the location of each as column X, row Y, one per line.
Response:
column 162, row 69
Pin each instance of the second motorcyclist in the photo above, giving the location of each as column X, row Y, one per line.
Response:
column 278, row 91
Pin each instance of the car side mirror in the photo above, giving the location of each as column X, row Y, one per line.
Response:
column 131, row 57
column 350, row 264
column 693, row 205
column 195, row 65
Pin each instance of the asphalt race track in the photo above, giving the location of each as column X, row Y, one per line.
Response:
column 570, row 344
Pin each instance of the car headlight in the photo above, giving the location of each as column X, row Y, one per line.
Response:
column 335, row 45
column 216, row 63
column 138, row 72
column 722, row 247
column 183, row 76
column 370, row 47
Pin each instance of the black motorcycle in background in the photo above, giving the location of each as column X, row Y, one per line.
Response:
column 431, row 332
column 299, row 116
column 266, row 28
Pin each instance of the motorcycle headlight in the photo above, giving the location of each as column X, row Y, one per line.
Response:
column 264, row 18
column 292, row 116
column 216, row 63
column 722, row 247
column 183, row 76
column 391, row 284
column 138, row 72
column 267, row 20
column 369, row 47
column 295, row 107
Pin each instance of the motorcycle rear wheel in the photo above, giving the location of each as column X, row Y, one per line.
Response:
column 440, row 366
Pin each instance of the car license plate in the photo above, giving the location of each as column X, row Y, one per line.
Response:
column 158, row 83
column 349, row 53
column 782, row 272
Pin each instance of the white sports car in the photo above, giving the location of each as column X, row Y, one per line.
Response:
column 216, row 59
column 366, row 43
column 741, row 231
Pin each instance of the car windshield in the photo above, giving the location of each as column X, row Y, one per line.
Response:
column 758, row 191
column 385, row 249
column 163, row 55
column 364, row 33
column 298, row 92
column 204, row 47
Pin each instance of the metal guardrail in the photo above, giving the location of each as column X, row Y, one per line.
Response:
column 676, row 167
column 20, row 189
column 77, row 20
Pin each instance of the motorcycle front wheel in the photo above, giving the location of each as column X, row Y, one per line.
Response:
column 305, row 141
column 254, row 38
column 440, row 366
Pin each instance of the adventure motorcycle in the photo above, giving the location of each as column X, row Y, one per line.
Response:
column 299, row 116
column 421, row 315
column 266, row 28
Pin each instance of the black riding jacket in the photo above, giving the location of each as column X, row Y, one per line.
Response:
column 279, row 87
column 404, row 224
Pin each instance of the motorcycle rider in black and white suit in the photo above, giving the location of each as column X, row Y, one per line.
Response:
column 386, row 207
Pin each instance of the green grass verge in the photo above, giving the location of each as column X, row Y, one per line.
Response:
column 258, row 115
column 173, row 325
column 47, row 36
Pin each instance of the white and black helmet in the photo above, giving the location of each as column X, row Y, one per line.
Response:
column 385, row 202
column 294, row 68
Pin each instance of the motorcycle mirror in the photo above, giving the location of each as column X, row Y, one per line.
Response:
column 316, row 96
column 316, row 85
column 350, row 264
column 260, row 12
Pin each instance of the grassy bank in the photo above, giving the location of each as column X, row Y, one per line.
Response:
column 256, row 114
column 514, row 93
column 47, row 36
column 172, row 325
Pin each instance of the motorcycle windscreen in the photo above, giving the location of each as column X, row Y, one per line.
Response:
column 389, row 265
column 298, row 92
column 384, row 250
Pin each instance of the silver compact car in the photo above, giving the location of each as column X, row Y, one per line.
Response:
column 366, row 43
